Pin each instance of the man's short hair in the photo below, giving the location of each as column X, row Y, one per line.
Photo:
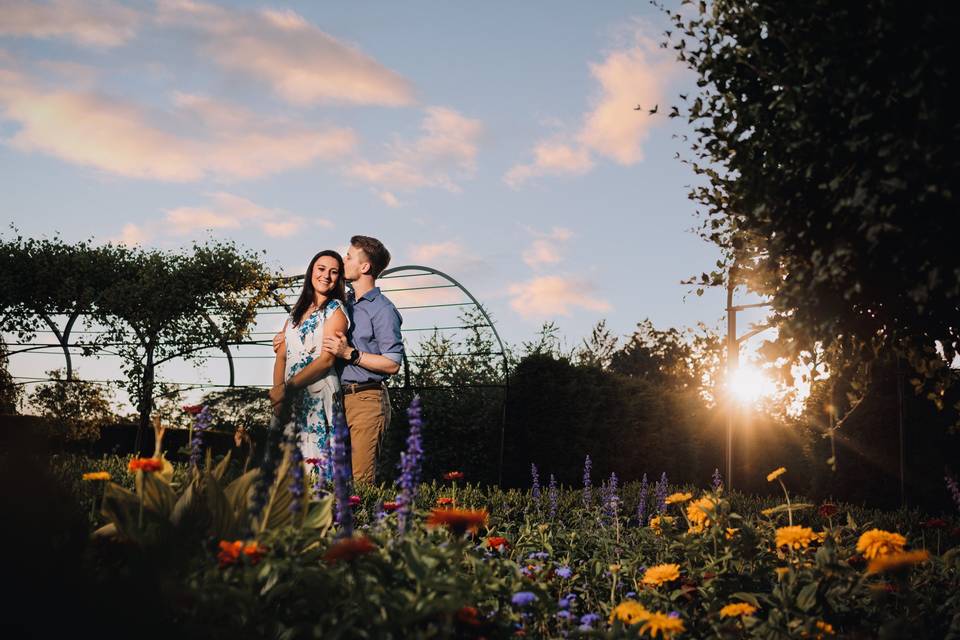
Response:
column 376, row 253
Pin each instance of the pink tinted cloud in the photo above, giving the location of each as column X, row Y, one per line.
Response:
column 302, row 64
column 229, row 211
column 444, row 154
column 548, row 296
column 93, row 23
column 198, row 138
column 546, row 248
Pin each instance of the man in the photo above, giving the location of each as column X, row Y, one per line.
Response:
column 371, row 353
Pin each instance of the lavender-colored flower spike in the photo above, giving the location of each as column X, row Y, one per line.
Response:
column 611, row 501
column 587, row 487
column 954, row 489
column 642, row 504
column 553, row 496
column 200, row 425
column 410, row 460
column 660, row 492
column 297, row 485
column 717, row 480
column 342, row 476
column 535, row 476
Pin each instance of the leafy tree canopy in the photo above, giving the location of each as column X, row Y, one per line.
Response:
column 828, row 147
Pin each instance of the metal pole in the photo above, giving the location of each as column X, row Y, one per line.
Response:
column 733, row 356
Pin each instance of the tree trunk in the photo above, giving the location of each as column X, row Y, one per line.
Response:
column 146, row 399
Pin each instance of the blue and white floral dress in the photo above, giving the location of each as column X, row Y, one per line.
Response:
column 313, row 407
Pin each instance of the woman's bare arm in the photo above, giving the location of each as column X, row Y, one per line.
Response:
column 279, row 368
column 322, row 363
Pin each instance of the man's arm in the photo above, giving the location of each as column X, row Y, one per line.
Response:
column 338, row 346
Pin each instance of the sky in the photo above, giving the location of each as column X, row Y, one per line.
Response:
column 497, row 142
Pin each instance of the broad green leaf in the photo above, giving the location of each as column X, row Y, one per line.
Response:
column 807, row 598
column 221, row 467
column 320, row 515
column 157, row 494
column 121, row 508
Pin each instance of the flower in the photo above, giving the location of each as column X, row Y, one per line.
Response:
column 657, row 522
column 895, row 561
column 146, row 465
column 231, row 552
column 390, row 506
column 782, row 571
column 737, row 609
column 776, row 473
column 629, row 612
column 495, row 542
column 675, row 498
column 827, row 509
column 410, row 460
column 469, row 615
column 934, row 523
column 523, row 598
column 795, row 537
column 564, row 572
column 825, row 627
column 453, row 475
column 731, row 533
column 349, row 549
column 354, row 501
column 876, row 543
column 314, row 461
column 587, row 621
column 659, row 622
column 698, row 513
column 661, row 573
column 192, row 409
column 444, row 501
column 97, row 475
column 458, row 521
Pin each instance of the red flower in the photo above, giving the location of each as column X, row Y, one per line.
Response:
column 453, row 475
column 495, row 542
column 313, row 461
column 349, row 549
column 231, row 552
column 458, row 521
column 444, row 502
column 391, row 506
column 827, row 509
column 145, row 464
column 856, row 560
column 354, row 501
column 469, row 615
column 934, row 523
column 192, row 409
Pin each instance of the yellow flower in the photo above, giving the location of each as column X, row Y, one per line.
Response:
column 894, row 561
column 776, row 473
column 736, row 609
column 795, row 537
column 97, row 475
column 876, row 543
column 614, row 568
column 661, row 623
column 782, row 571
column 629, row 612
column 768, row 512
column 674, row 498
column 825, row 628
column 657, row 522
column 658, row 574
column 698, row 513
column 731, row 533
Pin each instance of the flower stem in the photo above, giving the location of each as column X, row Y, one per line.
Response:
column 787, row 495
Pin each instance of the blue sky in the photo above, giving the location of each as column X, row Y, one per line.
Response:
column 494, row 141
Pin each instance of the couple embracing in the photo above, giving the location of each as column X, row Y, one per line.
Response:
column 340, row 344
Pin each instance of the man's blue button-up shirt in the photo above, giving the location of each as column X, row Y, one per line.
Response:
column 374, row 328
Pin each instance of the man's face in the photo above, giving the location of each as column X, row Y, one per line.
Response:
column 353, row 263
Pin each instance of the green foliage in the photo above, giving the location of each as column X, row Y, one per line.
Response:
column 10, row 392
column 826, row 140
column 76, row 409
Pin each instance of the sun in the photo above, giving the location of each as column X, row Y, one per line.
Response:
column 749, row 384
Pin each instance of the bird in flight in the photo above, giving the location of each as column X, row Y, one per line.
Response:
column 654, row 110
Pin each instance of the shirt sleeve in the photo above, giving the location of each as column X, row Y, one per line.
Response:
column 386, row 333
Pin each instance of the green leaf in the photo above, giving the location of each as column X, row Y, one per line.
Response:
column 221, row 467
column 320, row 516
column 121, row 508
column 746, row 597
column 807, row 598
column 223, row 524
column 238, row 493
column 157, row 494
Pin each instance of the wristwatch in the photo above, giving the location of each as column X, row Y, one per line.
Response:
column 354, row 356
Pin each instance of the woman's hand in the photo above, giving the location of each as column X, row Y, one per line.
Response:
column 337, row 345
column 279, row 341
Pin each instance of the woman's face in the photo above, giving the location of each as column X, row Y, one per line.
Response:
column 326, row 272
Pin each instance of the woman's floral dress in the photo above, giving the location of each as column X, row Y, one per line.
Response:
column 313, row 406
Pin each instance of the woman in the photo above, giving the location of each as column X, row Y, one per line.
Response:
column 303, row 368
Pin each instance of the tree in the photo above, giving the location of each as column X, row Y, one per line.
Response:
column 9, row 391
column 166, row 305
column 827, row 144
column 76, row 408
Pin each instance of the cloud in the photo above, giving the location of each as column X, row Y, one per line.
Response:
column 229, row 211
column 93, row 23
column 444, row 153
column 427, row 253
column 611, row 129
column 390, row 199
column 547, row 296
column 545, row 248
column 130, row 235
column 198, row 138
column 302, row 64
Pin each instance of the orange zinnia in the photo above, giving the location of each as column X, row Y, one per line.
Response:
column 495, row 542
column 444, row 502
column 453, row 475
column 145, row 464
column 458, row 521
column 349, row 548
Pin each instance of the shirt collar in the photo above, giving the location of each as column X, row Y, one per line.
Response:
column 371, row 295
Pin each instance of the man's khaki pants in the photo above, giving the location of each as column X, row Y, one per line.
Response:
column 368, row 416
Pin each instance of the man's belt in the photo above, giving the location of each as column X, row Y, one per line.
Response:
column 356, row 387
